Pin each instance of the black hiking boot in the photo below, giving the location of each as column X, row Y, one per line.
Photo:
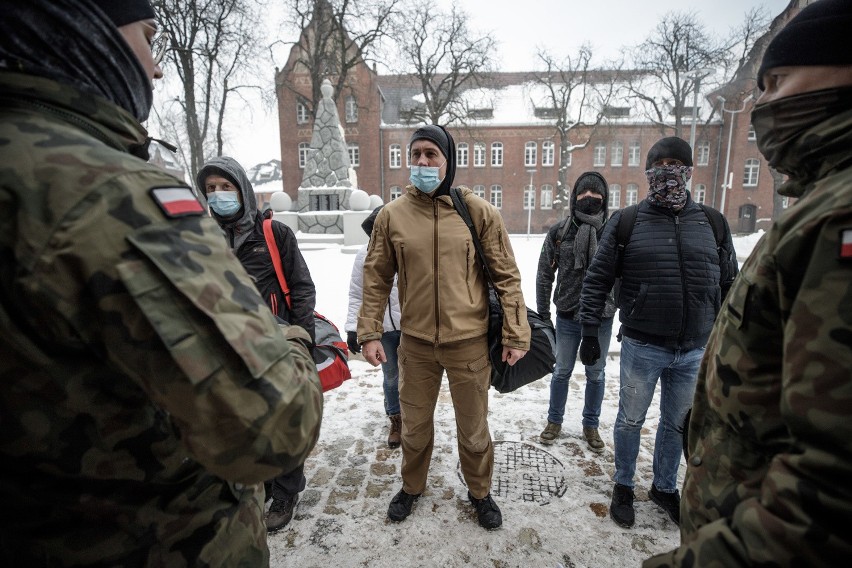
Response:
column 400, row 506
column 281, row 512
column 621, row 508
column 487, row 511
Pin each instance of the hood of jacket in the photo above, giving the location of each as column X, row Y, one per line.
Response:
column 573, row 201
column 237, row 228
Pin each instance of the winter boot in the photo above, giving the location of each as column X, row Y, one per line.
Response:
column 551, row 431
column 621, row 508
column 668, row 502
column 593, row 439
column 400, row 506
column 487, row 511
column 281, row 512
column 394, row 437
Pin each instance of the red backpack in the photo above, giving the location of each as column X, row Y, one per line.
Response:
column 330, row 352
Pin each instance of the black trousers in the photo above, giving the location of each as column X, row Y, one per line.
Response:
column 286, row 483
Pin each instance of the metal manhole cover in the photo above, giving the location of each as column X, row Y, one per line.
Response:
column 524, row 472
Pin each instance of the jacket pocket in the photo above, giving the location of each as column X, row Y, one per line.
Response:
column 402, row 277
column 478, row 365
column 637, row 305
column 738, row 302
column 471, row 261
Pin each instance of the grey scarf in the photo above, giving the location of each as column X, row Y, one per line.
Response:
column 73, row 43
column 586, row 239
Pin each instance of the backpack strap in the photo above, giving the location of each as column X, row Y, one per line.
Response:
column 272, row 245
column 716, row 222
column 622, row 234
column 558, row 241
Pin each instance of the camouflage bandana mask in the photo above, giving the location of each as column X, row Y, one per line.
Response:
column 668, row 186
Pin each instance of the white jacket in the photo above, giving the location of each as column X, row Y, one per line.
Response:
column 356, row 289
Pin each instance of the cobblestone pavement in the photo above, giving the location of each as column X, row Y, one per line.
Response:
column 554, row 498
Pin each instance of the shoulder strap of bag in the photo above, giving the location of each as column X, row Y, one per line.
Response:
column 272, row 245
column 461, row 209
column 560, row 236
column 716, row 222
column 622, row 234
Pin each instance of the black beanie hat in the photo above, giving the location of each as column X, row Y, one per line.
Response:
column 671, row 147
column 123, row 12
column 591, row 181
column 433, row 133
column 368, row 223
column 818, row 35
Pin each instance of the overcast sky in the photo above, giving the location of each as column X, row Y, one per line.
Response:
column 559, row 26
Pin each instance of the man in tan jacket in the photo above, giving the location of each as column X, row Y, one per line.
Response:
column 444, row 300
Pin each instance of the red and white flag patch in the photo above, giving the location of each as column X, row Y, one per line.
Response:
column 177, row 201
column 845, row 244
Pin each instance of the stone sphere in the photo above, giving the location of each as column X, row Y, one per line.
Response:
column 375, row 201
column 280, row 201
column 359, row 200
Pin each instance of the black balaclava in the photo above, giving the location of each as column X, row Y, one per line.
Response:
column 588, row 224
column 75, row 43
column 439, row 135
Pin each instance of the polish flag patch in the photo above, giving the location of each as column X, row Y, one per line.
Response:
column 177, row 201
column 845, row 244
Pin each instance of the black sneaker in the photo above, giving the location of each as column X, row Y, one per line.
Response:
column 621, row 508
column 487, row 511
column 400, row 506
column 668, row 502
column 281, row 512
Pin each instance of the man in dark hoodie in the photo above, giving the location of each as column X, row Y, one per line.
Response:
column 566, row 254
column 232, row 203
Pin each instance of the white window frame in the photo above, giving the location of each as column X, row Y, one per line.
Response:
column 752, row 133
column 495, row 196
column 395, row 156
column 354, row 154
column 548, row 153
column 547, row 196
column 351, row 109
column 702, row 154
column 395, row 191
column 529, row 197
column 304, row 148
column 497, row 154
column 751, row 172
column 530, row 154
column 462, row 155
column 478, row 155
column 614, row 197
column 634, row 154
column 479, row 191
column 631, row 194
column 599, row 155
column 617, row 154
column 301, row 113
column 700, row 193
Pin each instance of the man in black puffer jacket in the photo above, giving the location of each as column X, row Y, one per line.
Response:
column 673, row 280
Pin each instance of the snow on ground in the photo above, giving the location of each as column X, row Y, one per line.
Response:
column 352, row 475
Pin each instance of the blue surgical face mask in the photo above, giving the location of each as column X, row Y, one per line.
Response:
column 425, row 178
column 224, row 203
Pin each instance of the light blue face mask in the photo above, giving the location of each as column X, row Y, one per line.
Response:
column 425, row 178
column 224, row 203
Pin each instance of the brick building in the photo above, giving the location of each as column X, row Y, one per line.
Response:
column 509, row 145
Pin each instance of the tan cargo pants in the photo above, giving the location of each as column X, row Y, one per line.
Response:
column 421, row 367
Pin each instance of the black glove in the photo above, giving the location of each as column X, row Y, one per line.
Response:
column 590, row 350
column 352, row 342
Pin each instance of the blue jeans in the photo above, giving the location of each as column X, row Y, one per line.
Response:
column 390, row 370
column 568, row 337
column 641, row 365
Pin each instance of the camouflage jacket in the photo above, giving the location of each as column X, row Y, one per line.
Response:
column 770, row 439
column 146, row 388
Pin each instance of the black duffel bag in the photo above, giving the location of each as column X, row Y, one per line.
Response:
column 540, row 359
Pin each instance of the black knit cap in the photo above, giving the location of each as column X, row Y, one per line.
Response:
column 818, row 35
column 591, row 181
column 433, row 133
column 671, row 147
column 123, row 12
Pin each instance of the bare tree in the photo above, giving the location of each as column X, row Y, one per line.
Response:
column 576, row 98
column 670, row 65
column 212, row 47
column 335, row 37
column 447, row 59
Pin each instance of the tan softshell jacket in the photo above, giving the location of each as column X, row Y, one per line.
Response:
column 442, row 288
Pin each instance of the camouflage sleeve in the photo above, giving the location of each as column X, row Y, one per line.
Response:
column 379, row 269
column 799, row 509
column 170, row 307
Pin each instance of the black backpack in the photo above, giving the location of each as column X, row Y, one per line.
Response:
column 628, row 220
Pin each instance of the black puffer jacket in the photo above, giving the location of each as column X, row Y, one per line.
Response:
column 673, row 277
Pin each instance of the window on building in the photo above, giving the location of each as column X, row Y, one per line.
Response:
column 546, row 112
column 547, row 153
column 702, row 154
column 481, row 113
column 395, row 192
column 479, row 155
column 530, row 154
column 479, row 191
column 497, row 154
column 614, row 197
column 751, row 172
column 616, row 112
column 529, row 197
column 617, row 154
column 631, row 197
column 301, row 113
column 547, row 196
column 496, row 196
column 633, row 154
column 354, row 155
column 568, row 158
column 785, row 202
column 351, row 109
column 599, row 156
column 462, row 154
column 395, row 156
column 700, row 193
column 752, row 135
column 304, row 147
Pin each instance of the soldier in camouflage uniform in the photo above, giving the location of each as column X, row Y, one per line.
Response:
column 770, row 439
column 147, row 390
